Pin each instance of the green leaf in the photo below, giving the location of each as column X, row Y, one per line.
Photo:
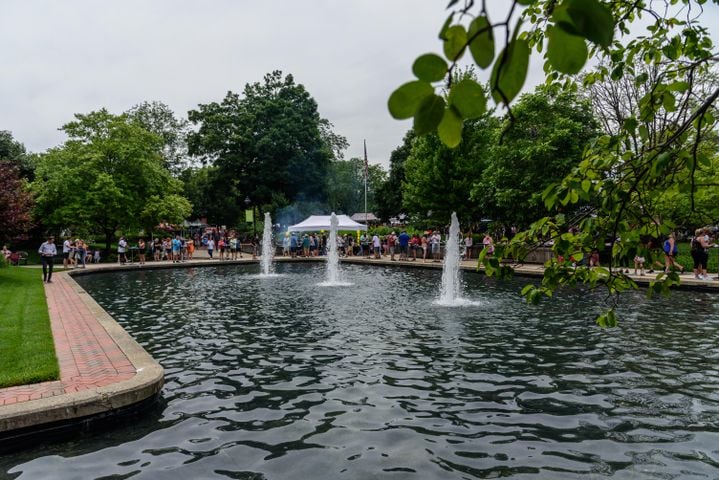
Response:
column 430, row 67
column 429, row 114
column 450, row 128
column 404, row 102
column 591, row 19
column 669, row 102
column 630, row 124
column 482, row 44
column 445, row 27
column 467, row 96
column 566, row 53
column 456, row 40
column 510, row 71
column 526, row 2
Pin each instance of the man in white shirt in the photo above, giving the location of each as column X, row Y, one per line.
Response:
column 377, row 245
column 47, row 251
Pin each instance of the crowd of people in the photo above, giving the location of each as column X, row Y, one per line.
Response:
column 227, row 245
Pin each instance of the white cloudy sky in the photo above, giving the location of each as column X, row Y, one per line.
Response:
column 64, row 57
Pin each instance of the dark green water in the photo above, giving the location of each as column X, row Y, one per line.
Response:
column 279, row 378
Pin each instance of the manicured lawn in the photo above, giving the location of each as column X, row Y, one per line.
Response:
column 27, row 352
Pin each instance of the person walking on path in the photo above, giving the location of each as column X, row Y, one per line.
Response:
column 47, row 252
column 210, row 246
column 670, row 253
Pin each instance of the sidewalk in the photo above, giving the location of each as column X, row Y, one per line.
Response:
column 101, row 367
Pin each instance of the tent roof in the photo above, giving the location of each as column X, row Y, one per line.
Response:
column 360, row 217
column 316, row 223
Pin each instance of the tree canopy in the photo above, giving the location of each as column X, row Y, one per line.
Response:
column 108, row 175
column 267, row 143
column 621, row 169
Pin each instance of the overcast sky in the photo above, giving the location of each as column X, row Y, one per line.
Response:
column 64, row 57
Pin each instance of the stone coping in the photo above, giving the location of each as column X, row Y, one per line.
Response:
column 103, row 368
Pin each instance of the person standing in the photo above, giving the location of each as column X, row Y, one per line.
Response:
column 66, row 247
column 141, row 250
column 468, row 246
column 176, row 249
column 403, row 241
column 377, row 246
column 122, row 250
column 80, row 252
column 47, row 252
column 488, row 243
column 210, row 246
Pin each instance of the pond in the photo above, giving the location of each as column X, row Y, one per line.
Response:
column 279, row 378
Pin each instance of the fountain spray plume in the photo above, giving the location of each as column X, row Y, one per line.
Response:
column 333, row 257
column 268, row 247
column 450, row 292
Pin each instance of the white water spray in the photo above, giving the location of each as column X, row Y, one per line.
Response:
column 268, row 248
column 333, row 257
column 451, row 291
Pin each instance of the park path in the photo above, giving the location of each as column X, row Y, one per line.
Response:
column 87, row 355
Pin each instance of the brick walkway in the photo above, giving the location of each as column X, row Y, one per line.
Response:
column 87, row 355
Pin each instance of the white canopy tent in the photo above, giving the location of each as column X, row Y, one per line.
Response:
column 316, row 223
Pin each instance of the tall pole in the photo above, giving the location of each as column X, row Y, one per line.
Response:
column 366, row 172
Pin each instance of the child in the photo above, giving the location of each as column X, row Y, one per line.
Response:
column 639, row 263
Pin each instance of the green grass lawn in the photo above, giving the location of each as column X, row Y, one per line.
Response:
column 27, row 351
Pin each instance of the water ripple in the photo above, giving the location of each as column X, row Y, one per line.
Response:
column 280, row 378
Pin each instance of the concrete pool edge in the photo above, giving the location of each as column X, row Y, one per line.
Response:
column 86, row 388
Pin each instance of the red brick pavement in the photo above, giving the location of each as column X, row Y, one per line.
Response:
column 87, row 355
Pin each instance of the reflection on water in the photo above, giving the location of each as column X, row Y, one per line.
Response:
column 277, row 378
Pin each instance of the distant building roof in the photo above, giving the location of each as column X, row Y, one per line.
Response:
column 360, row 217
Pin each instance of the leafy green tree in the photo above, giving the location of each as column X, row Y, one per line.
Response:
column 345, row 186
column 102, row 177
column 538, row 147
column 206, row 189
column 158, row 118
column 389, row 194
column 14, row 152
column 270, row 140
column 439, row 179
column 616, row 172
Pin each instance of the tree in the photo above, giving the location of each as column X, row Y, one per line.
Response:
column 158, row 118
column 14, row 152
column 16, row 203
column 206, row 189
column 439, row 179
column 615, row 173
column 389, row 196
column 269, row 141
column 102, row 177
column 345, row 186
column 539, row 147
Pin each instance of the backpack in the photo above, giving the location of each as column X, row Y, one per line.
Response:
column 696, row 244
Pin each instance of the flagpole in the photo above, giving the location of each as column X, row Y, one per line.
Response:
column 366, row 167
